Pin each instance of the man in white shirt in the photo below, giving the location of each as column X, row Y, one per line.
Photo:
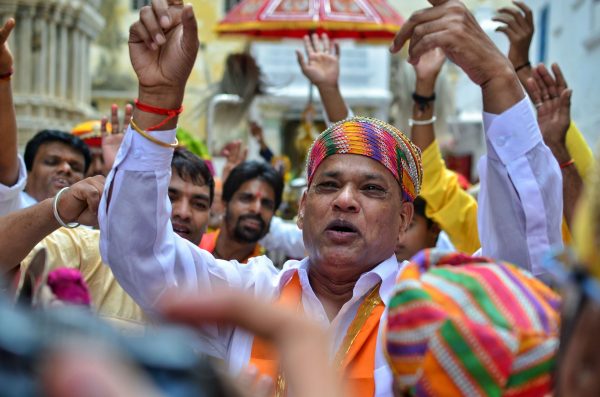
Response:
column 356, row 205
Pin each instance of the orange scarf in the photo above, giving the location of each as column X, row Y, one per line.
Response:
column 209, row 243
column 356, row 357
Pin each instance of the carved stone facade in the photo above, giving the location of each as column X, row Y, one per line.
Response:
column 51, row 47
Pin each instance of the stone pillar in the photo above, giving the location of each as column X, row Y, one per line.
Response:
column 63, row 58
column 24, row 57
column 52, row 76
column 39, row 48
column 75, row 60
column 84, row 87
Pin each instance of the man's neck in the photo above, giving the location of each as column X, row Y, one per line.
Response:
column 332, row 293
column 227, row 248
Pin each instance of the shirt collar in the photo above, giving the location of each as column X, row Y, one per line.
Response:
column 386, row 272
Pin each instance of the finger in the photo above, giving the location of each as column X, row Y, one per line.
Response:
column 300, row 59
column 534, row 91
column 548, row 82
column 510, row 22
column 317, row 44
column 308, row 46
column 431, row 40
column 152, row 26
column 560, row 78
column 516, row 16
column 114, row 117
column 417, row 18
column 190, row 40
column 160, row 8
column 139, row 33
column 6, row 29
column 127, row 117
column 527, row 11
column 565, row 102
column 103, row 126
column 540, row 82
column 512, row 35
column 326, row 44
column 227, row 307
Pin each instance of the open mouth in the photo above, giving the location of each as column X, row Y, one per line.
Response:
column 60, row 182
column 340, row 231
column 180, row 229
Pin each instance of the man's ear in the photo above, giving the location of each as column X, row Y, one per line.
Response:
column 407, row 211
column 300, row 220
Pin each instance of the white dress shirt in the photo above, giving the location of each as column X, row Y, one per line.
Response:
column 14, row 198
column 147, row 257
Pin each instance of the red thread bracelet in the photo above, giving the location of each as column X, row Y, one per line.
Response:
column 567, row 163
column 170, row 113
column 7, row 75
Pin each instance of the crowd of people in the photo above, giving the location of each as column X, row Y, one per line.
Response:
column 398, row 280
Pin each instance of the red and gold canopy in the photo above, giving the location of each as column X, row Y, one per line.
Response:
column 357, row 19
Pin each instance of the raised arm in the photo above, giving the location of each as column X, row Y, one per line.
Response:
column 9, row 163
column 552, row 98
column 20, row 231
column 448, row 205
column 137, row 239
column 322, row 68
column 520, row 203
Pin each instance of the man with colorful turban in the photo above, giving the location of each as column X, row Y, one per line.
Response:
column 362, row 177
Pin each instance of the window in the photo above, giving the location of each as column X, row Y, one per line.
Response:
column 137, row 4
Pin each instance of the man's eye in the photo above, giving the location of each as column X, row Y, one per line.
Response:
column 50, row 161
column 374, row 191
column 327, row 186
column 200, row 206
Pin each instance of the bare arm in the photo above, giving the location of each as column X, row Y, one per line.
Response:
column 426, row 72
column 552, row 99
column 20, row 231
column 9, row 164
column 322, row 68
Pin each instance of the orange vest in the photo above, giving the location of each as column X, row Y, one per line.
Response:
column 356, row 357
column 209, row 243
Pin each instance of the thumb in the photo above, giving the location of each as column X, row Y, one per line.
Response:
column 190, row 30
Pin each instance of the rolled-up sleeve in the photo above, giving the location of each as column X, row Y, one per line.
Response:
column 520, row 202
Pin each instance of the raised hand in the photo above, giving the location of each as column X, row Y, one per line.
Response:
column 518, row 27
column 552, row 98
column 6, row 58
column 322, row 66
column 429, row 65
column 79, row 203
column 450, row 26
column 235, row 154
column 111, row 140
column 163, row 45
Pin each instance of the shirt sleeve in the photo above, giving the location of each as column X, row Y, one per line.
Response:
column 448, row 205
column 145, row 255
column 285, row 237
column 11, row 196
column 520, row 201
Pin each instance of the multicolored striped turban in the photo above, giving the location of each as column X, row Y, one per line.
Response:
column 466, row 326
column 377, row 140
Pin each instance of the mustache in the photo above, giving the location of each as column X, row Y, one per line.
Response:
column 252, row 217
